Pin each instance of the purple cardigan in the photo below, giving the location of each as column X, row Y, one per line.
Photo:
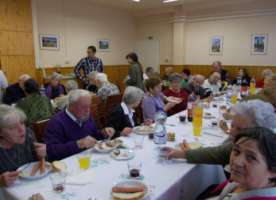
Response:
column 62, row 133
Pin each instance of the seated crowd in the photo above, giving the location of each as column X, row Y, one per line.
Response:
column 248, row 153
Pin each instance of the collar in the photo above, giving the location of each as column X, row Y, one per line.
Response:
column 126, row 110
column 71, row 116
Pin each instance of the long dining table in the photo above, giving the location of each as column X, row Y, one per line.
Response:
column 166, row 179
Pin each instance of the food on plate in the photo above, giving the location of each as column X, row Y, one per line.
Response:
column 223, row 125
column 106, row 146
column 144, row 129
column 113, row 143
column 125, row 189
column 35, row 169
column 171, row 136
column 223, row 107
column 227, row 115
column 192, row 145
column 208, row 114
column 129, row 192
column 59, row 166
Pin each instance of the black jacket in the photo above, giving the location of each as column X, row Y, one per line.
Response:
column 118, row 120
column 13, row 93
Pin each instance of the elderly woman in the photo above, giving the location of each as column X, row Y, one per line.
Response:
column 92, row 82
column 153, row 101
column 55, row 88
column 168, row 72
column 17, row 144
column 105, row 88
column 36, row 106
column 195, row 86
column 124, row 113
column 213, row 83
column 249, row 114
column 175, row 91
column 252, row 167
column 267, row 94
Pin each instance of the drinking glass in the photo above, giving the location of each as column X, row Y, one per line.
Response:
column 58, row 181
column 84, row 160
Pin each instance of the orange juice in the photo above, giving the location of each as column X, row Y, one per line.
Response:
column 197, row 120
column 84, row 161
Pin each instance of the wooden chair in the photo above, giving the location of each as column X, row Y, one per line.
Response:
column 112, row 102
column 39, row 129
column 98, row 111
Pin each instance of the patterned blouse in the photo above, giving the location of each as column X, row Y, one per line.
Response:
column 87, row 65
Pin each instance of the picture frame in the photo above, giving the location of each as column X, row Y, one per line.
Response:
column 49, row 42
column 216, row 45
column 103, row 44
column 259, row 44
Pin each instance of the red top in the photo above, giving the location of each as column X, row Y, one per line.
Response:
column 179, row 107
column 260, row 83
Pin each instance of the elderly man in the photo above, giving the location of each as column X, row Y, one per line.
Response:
column 105, row 88
column 255, row 113
column 217, row 67
column 213, row 83
column 73, row 130
column 15, row 92
column 195, row 86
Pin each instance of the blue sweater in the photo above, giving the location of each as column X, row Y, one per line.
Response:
column 62, row 134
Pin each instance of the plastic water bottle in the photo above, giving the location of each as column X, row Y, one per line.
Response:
column 160, row 131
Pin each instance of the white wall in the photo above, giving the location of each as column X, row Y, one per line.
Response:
column 237, row 40
column 79, row 24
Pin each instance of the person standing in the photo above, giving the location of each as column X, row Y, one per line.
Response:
column 87, row 65
column 135, row 73
column 3, row 84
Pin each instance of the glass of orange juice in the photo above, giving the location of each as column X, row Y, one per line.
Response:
column 84, row 160
column 234, row 99
column 197, row 120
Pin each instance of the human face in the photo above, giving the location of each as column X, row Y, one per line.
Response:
column 197, row 82
column 238, row 123
column 175, row 86
column 156, row 90
column 241, row 72
column 14, row 133
column 216, row 67
column 129, row 60
column 90, row 53
column 54, row 82
column 248, row 166
column 81, row 108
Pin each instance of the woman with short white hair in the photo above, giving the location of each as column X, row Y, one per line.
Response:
column 124, row 113
column 17, row 144
column 105, row 88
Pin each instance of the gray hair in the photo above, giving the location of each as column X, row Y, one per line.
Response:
column 9, row 115
column 132, row 95
column 102, row 77
column 92, row 75
column 267, row 73
column 175, row 77
column 71, row 85
column 56, row 76
column 24, row 77
column 260, row 113
column 74, row 95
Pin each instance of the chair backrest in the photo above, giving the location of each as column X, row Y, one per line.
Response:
column 39, row 129
column 98, row 111
column 112, row 102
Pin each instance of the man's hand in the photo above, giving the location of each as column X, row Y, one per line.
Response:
column 108, row 132
column 40, row 150
column 126, row 131
column 86, row 142
column 8, row 178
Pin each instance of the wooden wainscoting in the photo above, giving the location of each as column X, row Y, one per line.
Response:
column 207, row 69
column 116, row 73
column 16, row 39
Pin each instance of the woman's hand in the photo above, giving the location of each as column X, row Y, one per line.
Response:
column 8, row 178
column 126, row 131
column 108, row 132
column 40, row 150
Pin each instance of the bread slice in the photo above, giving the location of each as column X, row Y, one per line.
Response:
column 59, row 166
column 128, row 196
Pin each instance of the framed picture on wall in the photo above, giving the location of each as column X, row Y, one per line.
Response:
column 259, row 44
column 103, row 44
column 216, row 45
column 49, row 42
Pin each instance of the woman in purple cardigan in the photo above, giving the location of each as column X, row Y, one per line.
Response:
column 55, row 88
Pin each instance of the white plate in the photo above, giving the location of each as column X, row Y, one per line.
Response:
column 125, row 154
column 26, row 169
column 174, row 99
column 143, row 130
column 101, row 147
column 133, row 183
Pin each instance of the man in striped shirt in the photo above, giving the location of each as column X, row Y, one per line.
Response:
column 87, row 65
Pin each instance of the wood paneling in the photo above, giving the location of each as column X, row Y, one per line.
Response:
column 16, row 39
column 207, row 69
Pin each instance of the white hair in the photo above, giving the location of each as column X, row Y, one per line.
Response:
column 24, row 77
column 74, row 95
column 102, row 77
column 71, row 85
column 56, row 76
column 260, row 113
column 132, row 95
column 92, row 75
column 10, row 115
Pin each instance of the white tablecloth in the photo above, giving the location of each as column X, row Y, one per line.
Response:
column 169, row 180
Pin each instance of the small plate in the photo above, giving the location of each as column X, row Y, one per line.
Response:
column 26, row 169
column 131, row 183
column 122, row 154
column 143, row 130
column 102, row 147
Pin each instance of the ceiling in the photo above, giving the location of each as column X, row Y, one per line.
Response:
column 189, row 7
